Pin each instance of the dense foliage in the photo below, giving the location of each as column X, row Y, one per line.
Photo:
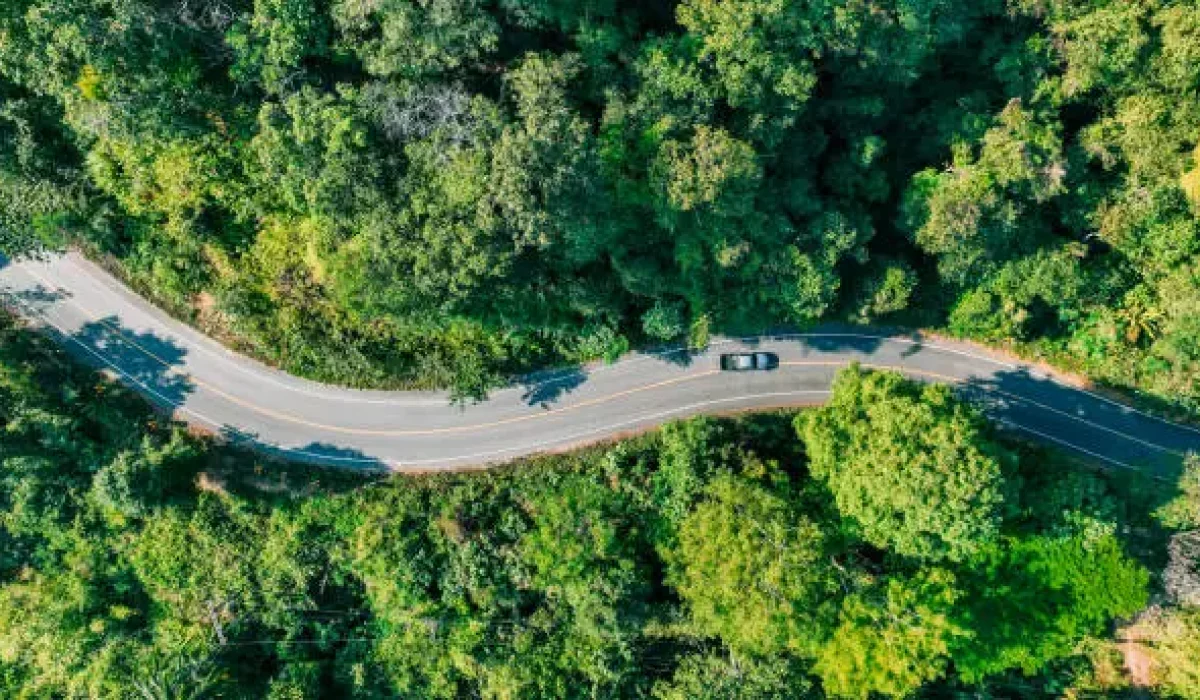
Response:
column 700, row 561
column 909, row 464
column 446, row 191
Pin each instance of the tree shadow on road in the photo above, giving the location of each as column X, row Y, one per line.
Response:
column 679, row 356
column 317, row 453
column 257, row 471
column 36, row 299
column 145, row 361
column 546, row 388
column 1069, row 418
column 915, row 348
column 827, row 340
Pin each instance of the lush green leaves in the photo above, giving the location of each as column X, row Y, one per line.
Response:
column 1030, row 602
column 752, row 572
column 908, row 464
column 451, row 192
column 892, row 641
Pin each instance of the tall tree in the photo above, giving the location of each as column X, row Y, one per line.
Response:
column 892, row 640
column 910, row 467
column 752, row 572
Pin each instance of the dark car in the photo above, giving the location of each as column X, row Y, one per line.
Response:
column 742, row 361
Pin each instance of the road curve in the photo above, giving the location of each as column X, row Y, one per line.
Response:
column 207, row 385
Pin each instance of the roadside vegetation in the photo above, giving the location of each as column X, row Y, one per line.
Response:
column 836, row 552
column 445, row 192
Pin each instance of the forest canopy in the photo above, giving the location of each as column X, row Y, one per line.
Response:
column 444, row 192
column 416, row 193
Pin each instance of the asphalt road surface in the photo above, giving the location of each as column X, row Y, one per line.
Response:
column 205, row 384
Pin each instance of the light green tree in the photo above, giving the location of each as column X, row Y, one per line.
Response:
column 752, row 572
column 912, row 468
column 893, row 639
column 1171, row 638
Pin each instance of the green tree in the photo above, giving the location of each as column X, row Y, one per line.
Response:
column 1103, row 46
column 887, row 291
column 762, row 52
column 911, row 467
column 753, row 572
column 1171, row 638
column 66, row 630
column 40, row 182
column 892, row 640
column 311, row 156
column 1030, row 602
column 984, row 210
column 1183, row 511
column 582, row 553
column 664, row 321
column 413, row 39
column 727, row 677
column 138, row 480
column 272, row 44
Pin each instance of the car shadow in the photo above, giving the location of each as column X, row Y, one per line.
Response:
column 145, row 360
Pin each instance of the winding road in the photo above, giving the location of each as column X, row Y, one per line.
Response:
column 208, row 386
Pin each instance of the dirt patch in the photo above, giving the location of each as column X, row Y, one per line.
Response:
column 1138, row 663
column 211, row 482
column 204, row 305
column 278, row 485
column 1131, row 643
column 209, row 319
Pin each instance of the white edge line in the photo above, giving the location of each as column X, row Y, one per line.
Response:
column 1072, row 446
column 1085, row 421
column 398, row 463
column 212, row 348
column 111, row 365
column 1000, row 392
column 221, row 352
column 529, row 447
column 575, row 436
column 609, row 428
column 236, row 358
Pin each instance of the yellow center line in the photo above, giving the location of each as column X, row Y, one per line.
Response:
column 123, row 337
column 870, row 365
column 287, row 417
